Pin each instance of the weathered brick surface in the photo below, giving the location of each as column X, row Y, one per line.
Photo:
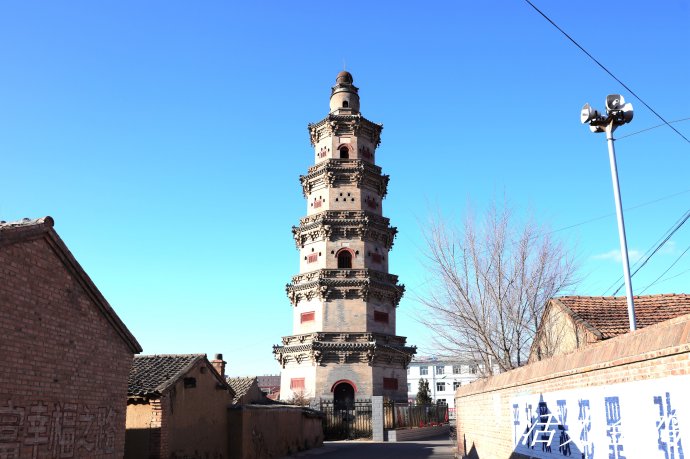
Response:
column 63, row 365
column 484, row 418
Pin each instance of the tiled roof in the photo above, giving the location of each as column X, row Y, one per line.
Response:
column 152, row 374
column 268, row 380
column 609, row 315
column 241, row 386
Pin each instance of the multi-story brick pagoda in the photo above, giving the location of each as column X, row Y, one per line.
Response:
column 344, row 300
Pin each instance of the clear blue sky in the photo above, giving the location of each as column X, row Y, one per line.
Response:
column 166, row 139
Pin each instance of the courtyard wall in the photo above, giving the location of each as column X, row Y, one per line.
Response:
column 623, row 397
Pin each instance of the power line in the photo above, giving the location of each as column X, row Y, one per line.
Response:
column 650, row 128
column 687, row 216
column 601, row 217
column 667, row 270
column 673, row 277
column 648, row 251
column 607, row 71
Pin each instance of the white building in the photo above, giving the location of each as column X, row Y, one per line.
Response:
column 444, row 377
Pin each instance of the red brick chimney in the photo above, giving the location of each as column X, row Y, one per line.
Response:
column 219, row 364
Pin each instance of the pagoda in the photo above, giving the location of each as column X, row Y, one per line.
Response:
column 344, row 299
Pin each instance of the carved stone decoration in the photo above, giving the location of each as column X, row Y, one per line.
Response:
column 330, row 179
column 370, row 356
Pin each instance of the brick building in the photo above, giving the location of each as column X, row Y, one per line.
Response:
column 344, row 343
column 572, row 322
column 177, row 407
column 65, row 353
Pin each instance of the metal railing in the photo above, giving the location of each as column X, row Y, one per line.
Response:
column 350, row 421
column 404, row 415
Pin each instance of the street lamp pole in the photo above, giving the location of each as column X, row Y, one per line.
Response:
column 621, row 225
column 618, row 113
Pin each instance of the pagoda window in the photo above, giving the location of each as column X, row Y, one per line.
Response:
column 312, row 258
column 344, row 259
column 390, row 383
column 344, row 153
column 306, row 317
column 380, row 316
column 297, row 384
column 376, row 257
column 345, row 104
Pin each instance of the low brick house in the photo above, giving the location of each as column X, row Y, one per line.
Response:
column 177, row 408
column 572, row 322
column 65, row 353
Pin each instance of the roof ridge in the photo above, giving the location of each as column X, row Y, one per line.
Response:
column 47, row 220
column 169, row 355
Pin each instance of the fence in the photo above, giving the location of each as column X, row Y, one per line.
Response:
column 347, row 422
column 402, row 415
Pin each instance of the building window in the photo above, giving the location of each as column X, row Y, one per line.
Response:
column 344, row 153
column 440, row 387
column 297, row 384
column 440, row 369
column 306, row 317
column 474, row 369
column 344, row 259
column 457, row 369
column 312, row 258
column 424, row 370
column 380, row 316
column 456, row 384
column 442, row 401
column 189, row 383
column 390, row 383
column 345, row 104
column 409, row 387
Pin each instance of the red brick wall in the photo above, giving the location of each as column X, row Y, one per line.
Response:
column 63, row 367
column 484, row 413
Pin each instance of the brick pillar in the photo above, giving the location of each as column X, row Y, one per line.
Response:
column 219, row 364
column 377, row 417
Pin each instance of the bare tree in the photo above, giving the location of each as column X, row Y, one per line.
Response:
column 490, row 284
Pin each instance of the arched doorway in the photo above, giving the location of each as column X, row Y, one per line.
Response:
column 344, row 152
column 344, row 259
column 343, row 396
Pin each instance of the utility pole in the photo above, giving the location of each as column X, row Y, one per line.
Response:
column 618, row 113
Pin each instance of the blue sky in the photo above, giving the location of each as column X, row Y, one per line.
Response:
column 166, row 139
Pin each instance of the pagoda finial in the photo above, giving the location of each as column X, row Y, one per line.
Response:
column 344, row 95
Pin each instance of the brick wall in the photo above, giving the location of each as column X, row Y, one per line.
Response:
column 624, row 396
column 63, row 366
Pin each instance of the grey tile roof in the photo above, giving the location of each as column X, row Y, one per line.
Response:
column 150, row 375
column 241, row 386
column 268, row 380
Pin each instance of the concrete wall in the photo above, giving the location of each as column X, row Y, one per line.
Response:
column 253, row 433
column 63, row 367
column 624, row 397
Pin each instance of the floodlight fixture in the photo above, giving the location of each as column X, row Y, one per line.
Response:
column 618, row 113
